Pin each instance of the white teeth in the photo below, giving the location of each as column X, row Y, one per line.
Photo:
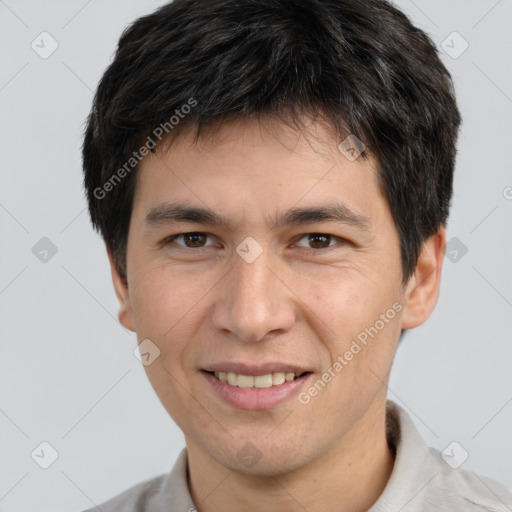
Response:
column 263, row 381
column 260, row 381
column 278, row 378
column 245, row 381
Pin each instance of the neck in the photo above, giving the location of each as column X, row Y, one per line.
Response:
column 350, row 476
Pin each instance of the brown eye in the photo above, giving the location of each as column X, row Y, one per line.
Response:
column 191, row 240
column 317, row 241
column 194, row 239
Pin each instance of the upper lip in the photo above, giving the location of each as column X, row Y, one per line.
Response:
column 255, row 369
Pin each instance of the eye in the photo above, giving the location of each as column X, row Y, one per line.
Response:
column 194, row 240
column 318, row 241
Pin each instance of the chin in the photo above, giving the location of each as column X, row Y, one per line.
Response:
column 265, row 467
column 260, row 457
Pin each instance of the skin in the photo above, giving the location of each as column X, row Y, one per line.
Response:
column 298, row 303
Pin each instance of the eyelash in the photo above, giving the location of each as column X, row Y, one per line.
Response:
column 172, row 239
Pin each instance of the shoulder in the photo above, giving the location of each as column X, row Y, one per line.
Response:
column 423, row 480
column 459, row 489
column 165, row 492
column 138, row 498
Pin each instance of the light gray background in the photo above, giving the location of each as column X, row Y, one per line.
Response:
column 68, row 374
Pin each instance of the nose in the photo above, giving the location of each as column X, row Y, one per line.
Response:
column 254, row 302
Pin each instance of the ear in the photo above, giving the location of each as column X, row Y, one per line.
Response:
column 422, row 290
column 125, row 314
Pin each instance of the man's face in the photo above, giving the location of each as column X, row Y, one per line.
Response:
column 263, row 297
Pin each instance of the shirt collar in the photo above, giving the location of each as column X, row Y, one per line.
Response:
column 414, row 467
column 412, row 471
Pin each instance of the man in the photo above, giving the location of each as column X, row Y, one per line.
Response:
column 272, row 180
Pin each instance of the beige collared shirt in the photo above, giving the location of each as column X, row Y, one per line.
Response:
column 421, row 481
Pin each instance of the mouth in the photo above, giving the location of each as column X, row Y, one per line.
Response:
column 267, row 380
column 256, row 388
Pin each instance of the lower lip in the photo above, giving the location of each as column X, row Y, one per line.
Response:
column 256, row 398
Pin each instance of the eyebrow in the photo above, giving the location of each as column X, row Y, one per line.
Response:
column 171, row 213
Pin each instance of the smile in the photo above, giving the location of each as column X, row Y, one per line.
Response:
column 256, row 381
column 256, row 392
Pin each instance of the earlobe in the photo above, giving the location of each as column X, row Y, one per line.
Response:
column 422, row 289
column 125, row 313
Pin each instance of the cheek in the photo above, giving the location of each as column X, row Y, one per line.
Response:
column 160, row 297
column 163, row 307
column 353, row 308
column 165, row 312
column 170, row 306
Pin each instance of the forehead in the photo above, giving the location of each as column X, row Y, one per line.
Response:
column 253, row 170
